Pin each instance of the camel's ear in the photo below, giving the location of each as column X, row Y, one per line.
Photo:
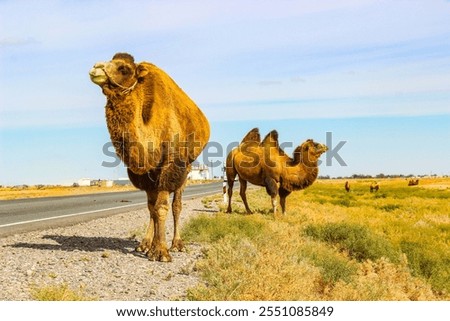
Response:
column 141, row 71
column 305, row 146
column 124, row 56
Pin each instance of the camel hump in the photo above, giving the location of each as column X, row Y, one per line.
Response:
column 252, row 136
column 271, row 138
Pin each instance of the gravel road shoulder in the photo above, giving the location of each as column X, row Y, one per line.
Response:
column 98, row 257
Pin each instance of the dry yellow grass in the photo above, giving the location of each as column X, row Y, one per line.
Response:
column 332, row 245
column 60, row 292
column 10, row 193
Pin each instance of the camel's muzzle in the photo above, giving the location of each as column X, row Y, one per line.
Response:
column 98, row 75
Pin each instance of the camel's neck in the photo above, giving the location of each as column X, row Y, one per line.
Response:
column 120, row 115
column 299, row 175
column 125, row 124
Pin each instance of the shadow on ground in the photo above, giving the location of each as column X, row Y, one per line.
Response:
column 81, row 243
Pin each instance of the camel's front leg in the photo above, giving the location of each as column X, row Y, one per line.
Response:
column 177, row 243
column 283, row 194
column 146, row 242
column 159, row 250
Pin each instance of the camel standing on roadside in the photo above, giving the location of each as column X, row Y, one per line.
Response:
column 157, row 131
column 263, row 163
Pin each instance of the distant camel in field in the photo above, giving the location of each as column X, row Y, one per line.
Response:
column 347, row 186
column 265, row 164
column 413, row 182
column 374, row 187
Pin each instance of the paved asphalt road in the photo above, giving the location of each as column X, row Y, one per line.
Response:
column 40, row 213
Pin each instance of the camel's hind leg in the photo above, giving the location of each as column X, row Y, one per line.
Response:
column 272, row 190
column 283, row 194
column 244, row 195
column 146, row 242
column 231, row 175
column 177, row 243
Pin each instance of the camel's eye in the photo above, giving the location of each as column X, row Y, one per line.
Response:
column 124, row 70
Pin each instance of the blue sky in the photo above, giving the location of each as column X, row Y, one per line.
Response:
column 374, row 73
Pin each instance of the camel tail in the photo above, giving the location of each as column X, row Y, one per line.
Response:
column 230, row 171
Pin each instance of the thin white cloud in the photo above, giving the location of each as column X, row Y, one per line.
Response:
column 62, row 24
column 333, row 109
column 14, row 42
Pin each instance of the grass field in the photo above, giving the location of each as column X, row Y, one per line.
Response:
column 332, row 245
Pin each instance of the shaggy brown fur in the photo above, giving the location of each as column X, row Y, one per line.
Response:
column 374, row 187
column 413, row 182
column 158, row 131
column 265, row 164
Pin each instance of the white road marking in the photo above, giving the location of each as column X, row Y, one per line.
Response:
column 88, row 212
column 69, row 215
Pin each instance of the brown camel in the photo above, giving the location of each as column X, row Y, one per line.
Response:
column 347, row 186
column 158, row 131
column 265, row 164
column 374, row 187
column 413, row 182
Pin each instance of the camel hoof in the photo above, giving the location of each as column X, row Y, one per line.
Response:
column 160, row 258
column 161, row 255
column 144, row 247
column 177, row 246
column 165, row 259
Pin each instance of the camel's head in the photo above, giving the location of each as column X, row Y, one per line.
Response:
column 311, row 150
column 121, row 72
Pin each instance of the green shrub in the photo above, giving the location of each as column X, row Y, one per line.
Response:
column 428, row 263
column 206, row 228
column 343, row 202
column 334, row 267
column 357, row 240
column 380, row 195
column 389, row 207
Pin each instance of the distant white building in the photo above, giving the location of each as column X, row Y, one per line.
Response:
column 199, row 172
column 84, row 182
column 95, row 182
